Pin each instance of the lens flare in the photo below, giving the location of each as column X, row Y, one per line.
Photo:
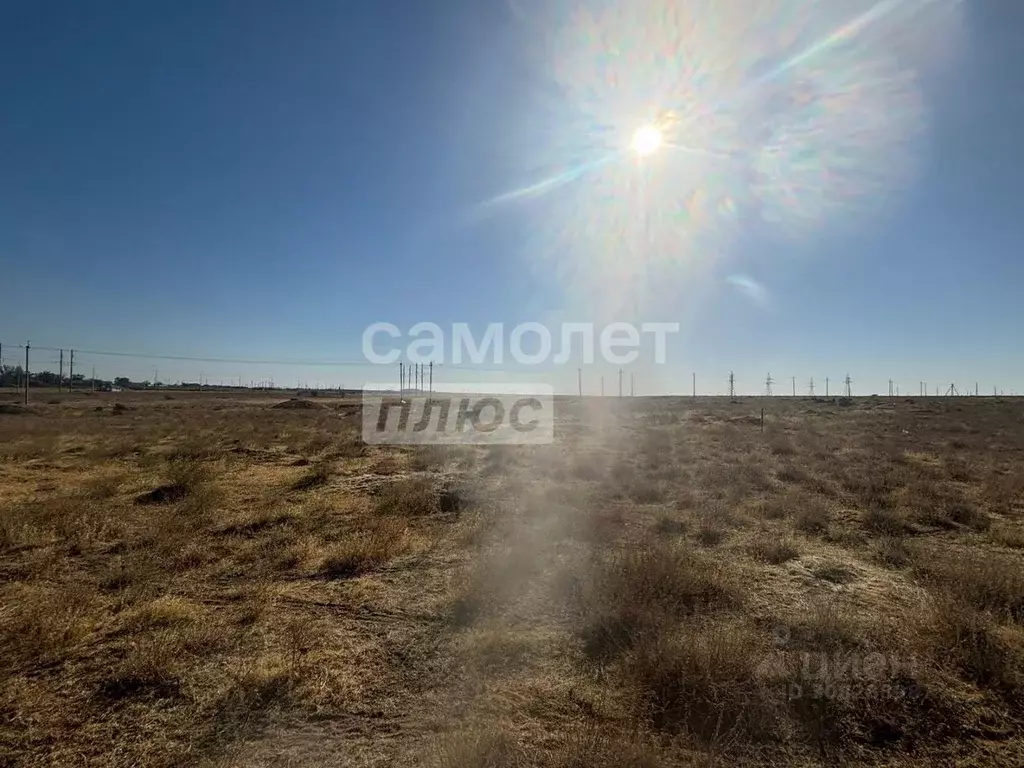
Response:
column 779, row 115
column 646, row 140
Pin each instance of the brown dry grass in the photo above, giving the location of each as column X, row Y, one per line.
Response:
column 211, row 580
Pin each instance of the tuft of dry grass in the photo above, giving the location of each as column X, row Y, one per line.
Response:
column 367, row 551
column 413, row 497
column 634, row 592
column 705, row 684
column 769, row 547
column 979, row 649
column 316, row 476
column 812, row 517
column 990, row 582
column 886, row 522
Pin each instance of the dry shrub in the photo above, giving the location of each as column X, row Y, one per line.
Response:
column 793, row 475
column 847, row 716
column 769, row 547
column 301, row 554
column 774, row 508
column 635, row 592
column 166, row 611
column 990, row 582
column 827, row 625
column 191, row 482
column 19, row 527
column 1005, row 488
column 1008, row 535
column 781, row 445
column 43, row 625
column 152, row 669
column 259, row 520
column 984, row 653
column 316, row 476
column 483, row 747
column 705, row 684
column 256, row 687
column 887, row 522
column 254, row 602
column 670, row 526
column 368, row 550
column 73, row 521
column 834, row 572
column 492, row 746
column 595, row 747
column 891, row 552
column 414, row 497
column 968, row 515
column 710, row 532
column 104, row 485
column 428, row 457
column 812, row 517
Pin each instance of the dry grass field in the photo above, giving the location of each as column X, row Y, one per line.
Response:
column 217, row 580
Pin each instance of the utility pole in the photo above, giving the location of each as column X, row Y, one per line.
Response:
column 28, row 378
column 768, row 385
column 890, row 387
column 401, row 378
column 732, row 385
column 94, row 378
column 431, row 378
column 847, row 382
column 810, row 387
column 826, row 386
column 579, row 381
column 695, row 384
column 620, row 382
column 794, row 386
column 60, row 374
column 71, row 372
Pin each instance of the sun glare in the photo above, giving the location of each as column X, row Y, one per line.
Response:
column 646, row 140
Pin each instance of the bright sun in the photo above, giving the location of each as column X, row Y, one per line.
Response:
column 646, row 140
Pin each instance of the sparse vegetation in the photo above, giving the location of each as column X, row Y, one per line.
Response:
column 229, row 580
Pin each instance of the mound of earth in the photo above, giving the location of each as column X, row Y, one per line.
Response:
column 299, row 404
column 164, row 494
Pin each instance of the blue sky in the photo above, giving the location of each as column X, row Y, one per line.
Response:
column 262, row 180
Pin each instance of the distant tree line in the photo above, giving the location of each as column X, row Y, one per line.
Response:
column 14, row 376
